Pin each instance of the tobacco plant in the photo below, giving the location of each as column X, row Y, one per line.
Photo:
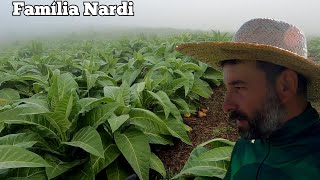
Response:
column 89, row 109
column 209, row 160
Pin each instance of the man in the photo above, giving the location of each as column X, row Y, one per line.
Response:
column 272, row 91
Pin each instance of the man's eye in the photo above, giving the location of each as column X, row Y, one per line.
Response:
column 239, row 87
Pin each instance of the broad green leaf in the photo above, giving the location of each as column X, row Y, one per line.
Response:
column 44, row 145
column 84, row 103
column 89, row 140
column 1, row 126
column 8, row 95
column 5, row 107
column 28, row 69
column 32, row 109
column 183, row 104
column 161, row 51
column 37, row 78
column 130, row 75
column 148, row 120
column 160, row 79
column 206, row 168
column 202, row 88
column 203, row 168
column 60, row 122
column 90, row 79
column 116, row 172
column 108, row 131
column 187, row 128
column 134, row 145
column 148, row 81
column 13, row 117
column 116, row 121
column 26, row 174
column 119, row 94
column 64, row 104
column 138, row 87
column 203, row 66
column 135, row 91
column 217, row 154
column 189, row 65
column 62, row 85
column 152, row 59
column 106, row 81
column 24, row 140
column 167, row 105
column 177, row 130
column 111, row 92
column 3, row 173
column 99, row 115
column 7, row 77
column 58, row 167
column 88, row 64
column 148, row 77
column 157, row 165
column 135, row 100
column 34, row 106
column 66, row 84
column 121, row 110
column 87, row 104
column 124, row 96
column 3, row 102
column 111, row 152
column 139, row 55
column 190, row 80
column 15, row 157
column 189, row 84
column 194, row 96
column 155, row 138
column 214, row 75
column 176, row 84
column 218, row 142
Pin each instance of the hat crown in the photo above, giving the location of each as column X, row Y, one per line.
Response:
column 275, row 33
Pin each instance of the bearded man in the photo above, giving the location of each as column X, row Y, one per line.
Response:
column 272, row 94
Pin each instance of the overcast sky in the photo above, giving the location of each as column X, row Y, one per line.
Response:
column 223, row 15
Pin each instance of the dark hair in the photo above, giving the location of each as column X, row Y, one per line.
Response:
column 272, row 73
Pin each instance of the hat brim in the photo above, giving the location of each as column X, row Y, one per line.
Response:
column 212, row 53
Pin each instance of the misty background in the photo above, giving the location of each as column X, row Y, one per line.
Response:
column 222, row 15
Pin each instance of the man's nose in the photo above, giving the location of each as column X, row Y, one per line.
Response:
column 228, row 104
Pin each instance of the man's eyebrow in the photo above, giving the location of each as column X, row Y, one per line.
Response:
column 237, row 82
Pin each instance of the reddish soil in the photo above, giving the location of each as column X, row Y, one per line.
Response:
column 213, row 125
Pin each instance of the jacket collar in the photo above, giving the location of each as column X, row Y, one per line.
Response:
column 293, row 127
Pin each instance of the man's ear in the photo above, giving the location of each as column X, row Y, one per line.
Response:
column 287, row 85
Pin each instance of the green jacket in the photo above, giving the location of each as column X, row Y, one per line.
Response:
column 292, row 152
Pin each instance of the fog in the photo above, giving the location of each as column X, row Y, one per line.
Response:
column 223, row 15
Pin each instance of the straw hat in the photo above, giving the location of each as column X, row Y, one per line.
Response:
column 266, row 40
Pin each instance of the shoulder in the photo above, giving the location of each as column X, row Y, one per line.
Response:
column 311, row 137
column 312, row 132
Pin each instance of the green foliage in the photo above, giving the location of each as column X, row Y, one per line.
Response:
column 314, row 49
column 208, row 162
column 14, row 157
column 78, row 110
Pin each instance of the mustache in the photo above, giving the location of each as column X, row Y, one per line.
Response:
column 237, row 115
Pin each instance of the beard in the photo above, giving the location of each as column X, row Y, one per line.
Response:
column 264, row 121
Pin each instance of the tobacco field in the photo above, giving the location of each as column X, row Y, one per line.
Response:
column 96, row 109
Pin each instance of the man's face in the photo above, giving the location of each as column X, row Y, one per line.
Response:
column 250, row 101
